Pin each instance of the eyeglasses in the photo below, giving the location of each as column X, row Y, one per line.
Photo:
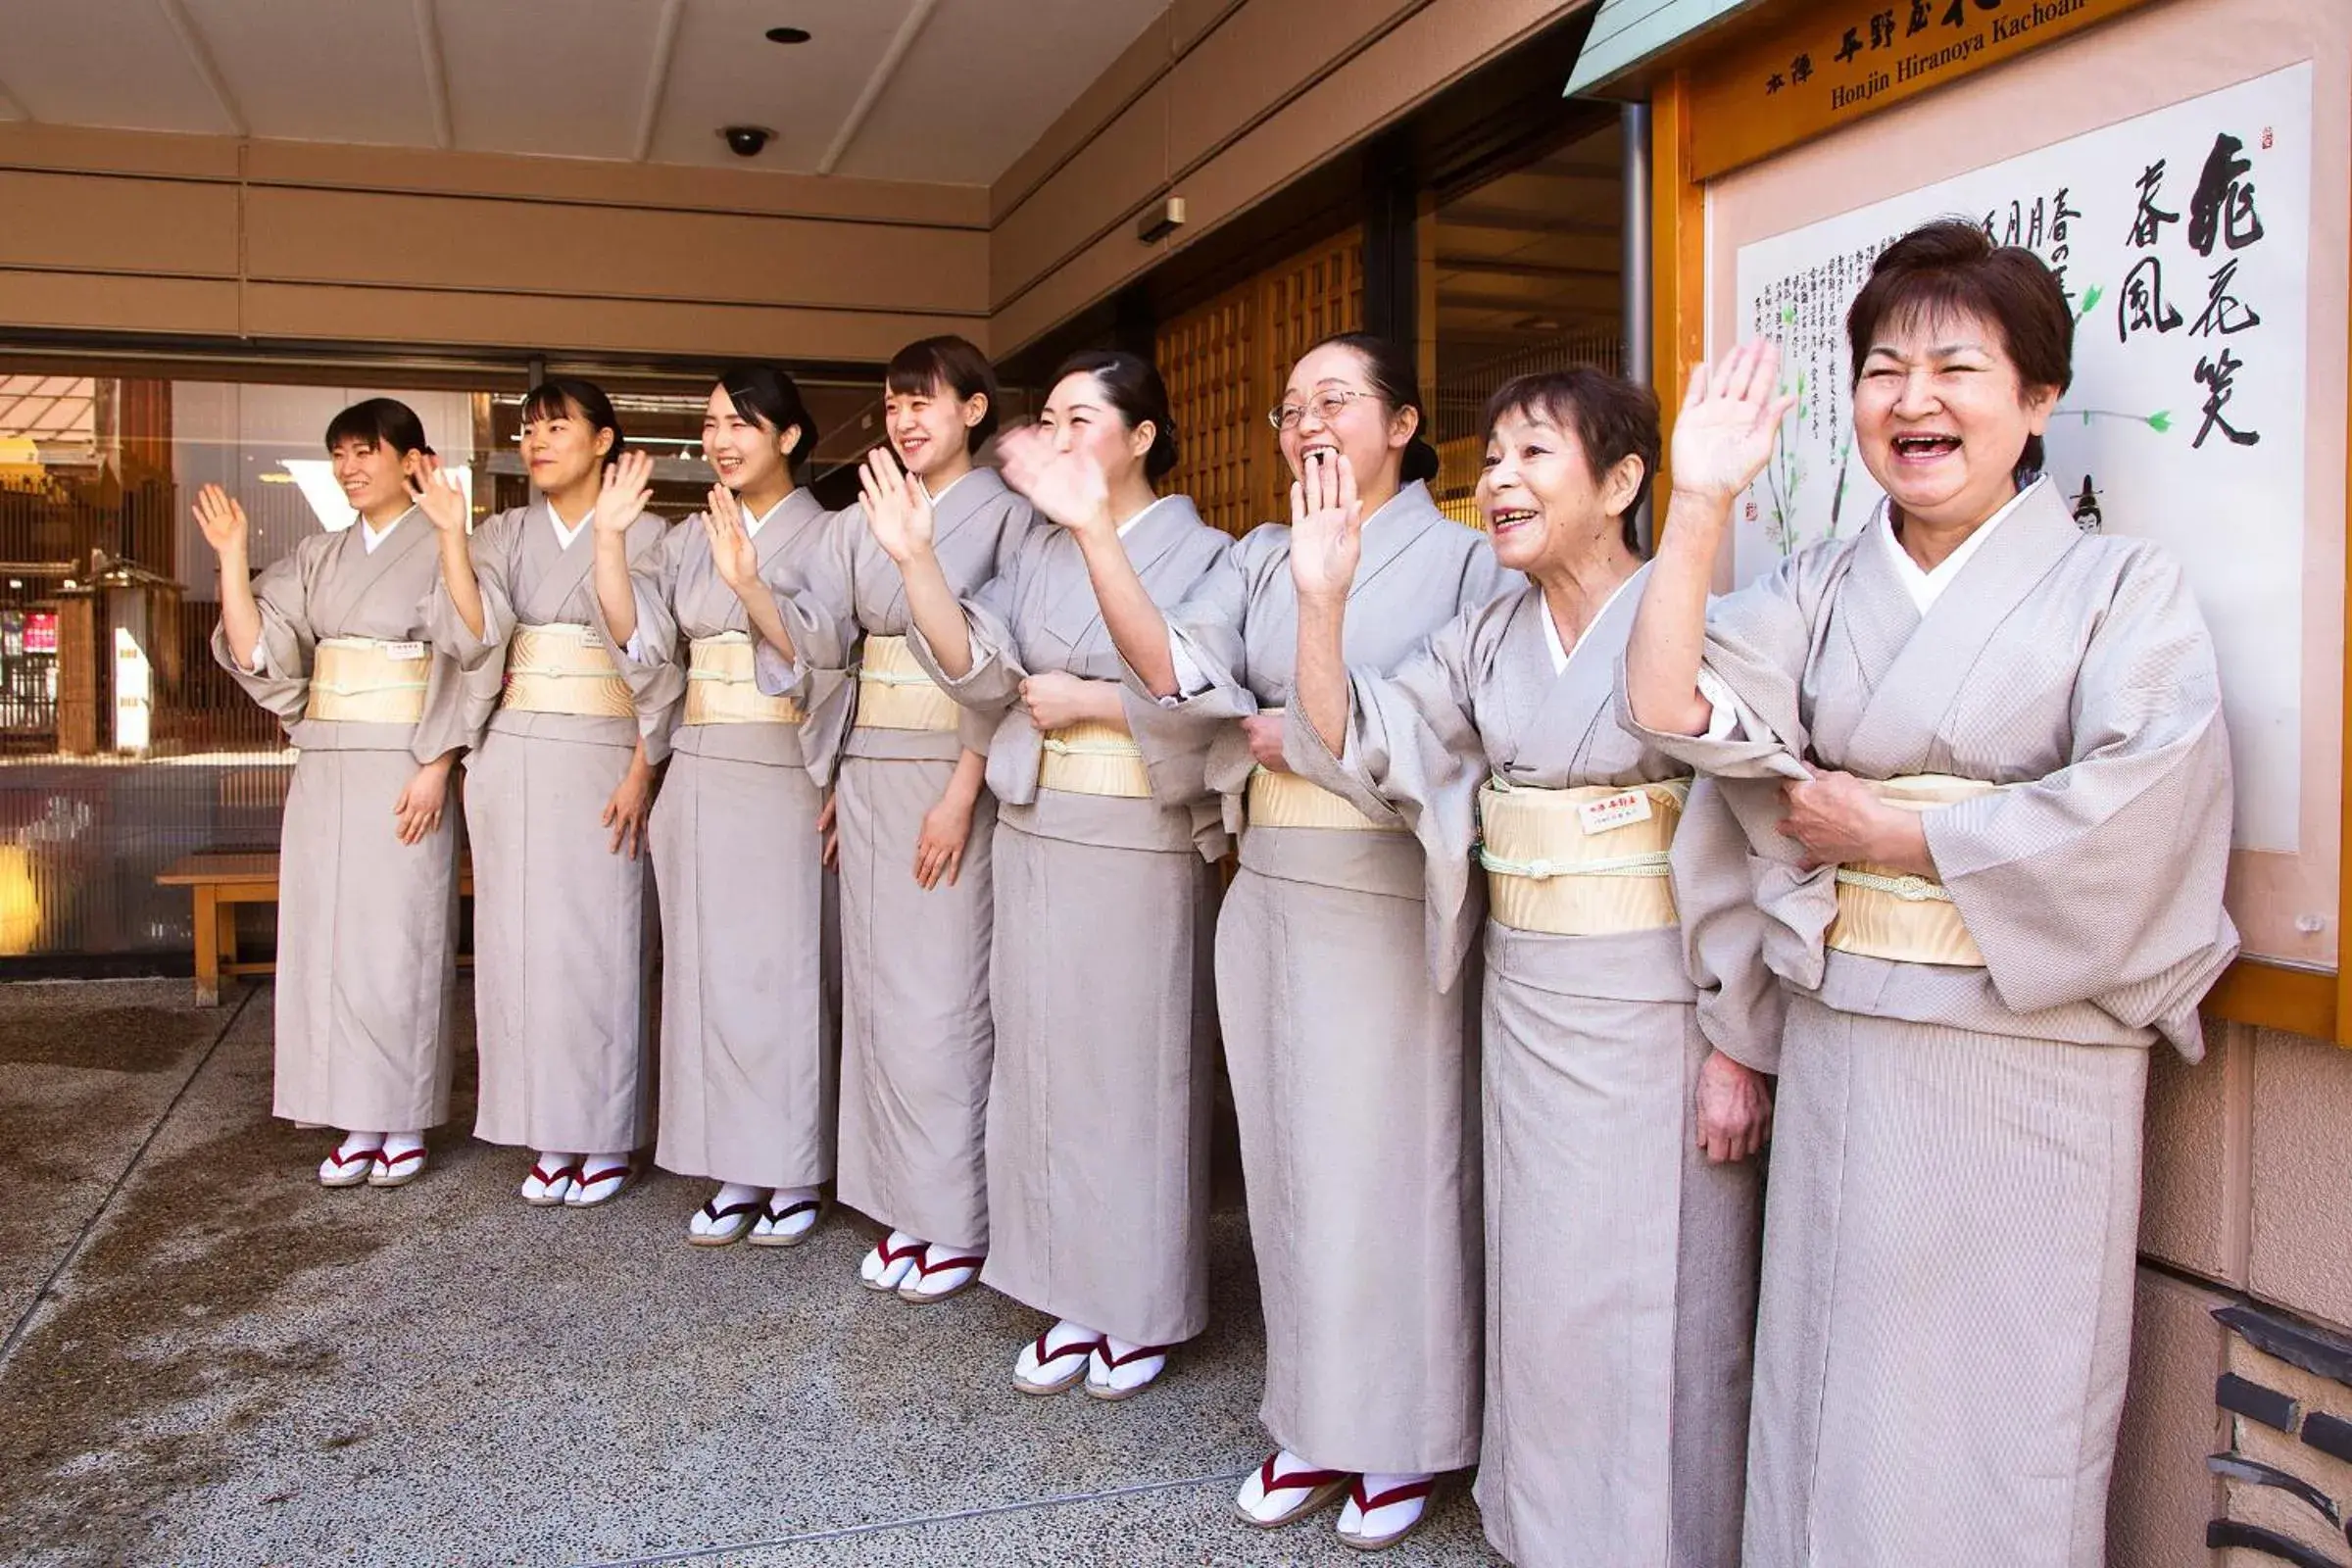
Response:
column 1326, row 405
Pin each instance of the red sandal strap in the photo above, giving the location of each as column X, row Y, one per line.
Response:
column 609, row 1173
column 1297, row 1479
column 400, row 1159
column 714, row 1214
column 798, row 1207
column 1404, row 1494
column 890, row 1255
column 358, row 1156
column 941, row 1265
column 1045, row 1358
column 548, row 1178
column 1135, row 1354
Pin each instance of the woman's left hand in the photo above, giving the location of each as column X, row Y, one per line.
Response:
column 628, row 486
column 1839, row 822
column 939, row 847
column 1264, row 734
column 1058, row 699
column 1735, row 1110
column 1068, row 488
column 418, row 812
column 631, row 804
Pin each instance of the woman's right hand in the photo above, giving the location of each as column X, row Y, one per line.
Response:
column 628, row 486
column 222, row 520
column 440, row 497
column 898, row 509
column 828, row 835
column 1068, row 488
column 1730, row 418
column 1735, row 1110
column 1327, row 529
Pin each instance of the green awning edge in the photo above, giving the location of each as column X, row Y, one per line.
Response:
column 1628, row 33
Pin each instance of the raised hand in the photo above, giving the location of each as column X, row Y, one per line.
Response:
column 1730, row 416
column 898, row 509
column 224, row 522
column 731, row 549
column 439, row 496
column 1327, row 527
column 1068, row 488
column 628, row 486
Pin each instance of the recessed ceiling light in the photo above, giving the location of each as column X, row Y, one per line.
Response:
column 788, row 35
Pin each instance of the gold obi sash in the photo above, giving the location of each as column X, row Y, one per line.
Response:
column 361, row 680
column 564, row 668
column 1093, row 758
column 1580, row 862
column 1285, row 800
column 1885, row 913
column 722, row 689
column 894, row 692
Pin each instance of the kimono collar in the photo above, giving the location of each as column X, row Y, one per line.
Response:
column 1551, row 628
column 1128, row 526
column 371, row 536
column 753, row 525
column 1926, row 587
column 941, row 494
column 567, row 532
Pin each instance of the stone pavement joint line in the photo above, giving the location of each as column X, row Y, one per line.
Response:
column 917, row 1521
column 43, row 1297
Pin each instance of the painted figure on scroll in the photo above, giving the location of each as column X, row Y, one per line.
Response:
column 746, row 1069
column 1355, row 1076
column 1979, row 758
column 913, row 828
column 1098, row 1098
column 1628, row 1019
column 555, row 798
column 332, row 639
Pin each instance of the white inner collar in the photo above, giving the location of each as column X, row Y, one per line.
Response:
column 371, row 535
column 1139, row 516
column 566, row 532
column 1560, row 653
column 1926, row 587
column 752, row 525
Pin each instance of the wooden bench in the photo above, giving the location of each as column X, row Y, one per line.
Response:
column 222, row 879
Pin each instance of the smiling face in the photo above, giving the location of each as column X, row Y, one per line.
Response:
column 1941, row 417
column 1362, row 428
column 1540, row 501
column 746, row 454
column 374, row 476
column 931, row 428
column 1081, row 417
column 562, row 449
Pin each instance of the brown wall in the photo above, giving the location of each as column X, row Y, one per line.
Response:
column 210, row 237
column 1221, row 102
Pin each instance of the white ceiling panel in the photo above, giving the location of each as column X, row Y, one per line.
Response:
column 114, row 63
column 726, row 72
column 979, row 88
column 320, row 69
column 561, row 78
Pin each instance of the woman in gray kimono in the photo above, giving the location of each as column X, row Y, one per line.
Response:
column 1980, row 755
column 747, row 1075
column 556, row 800
column 332, row 639
column 913, row 824
column 1099, row 1100
column 1627, row 1018
column 1355, row 1084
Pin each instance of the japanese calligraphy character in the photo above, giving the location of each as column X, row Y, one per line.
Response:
column 2218, row 378
column 2223, row 205
column 2224, row 312
column 1851, row 47
column 1922, row 14
column 1773, row 83
column 2142, row 306
column 1802, row 69
column 2147, row 224
column 1882, row 29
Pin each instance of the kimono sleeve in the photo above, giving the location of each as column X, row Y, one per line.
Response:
column 818, row 600
column 1740, row 1002
column 989, row 687
column 1207, row 642
column 2102, row 881
column 655, row 689
column 653, row 590
column 280, row 679
column 491, row 549
column 1414, row 757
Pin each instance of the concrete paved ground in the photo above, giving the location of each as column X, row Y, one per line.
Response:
column 209, row 1359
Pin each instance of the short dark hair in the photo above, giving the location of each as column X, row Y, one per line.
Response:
column 1952, row 268
column 930, row 365
column 1390, row 370
column 1611, row 418
column 561, row 397
column 1134, row 387
column 380, row 422
column 767, row 396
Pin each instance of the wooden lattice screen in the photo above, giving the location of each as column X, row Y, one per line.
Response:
column 1224, row 363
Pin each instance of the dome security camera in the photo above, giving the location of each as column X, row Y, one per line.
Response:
column 747, row 141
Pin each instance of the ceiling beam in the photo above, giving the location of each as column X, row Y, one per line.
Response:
column 1503, row 267
column 657, row 79
column 175, row 11
column 919, row 14
column 436, row 73
column 1515, row 222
